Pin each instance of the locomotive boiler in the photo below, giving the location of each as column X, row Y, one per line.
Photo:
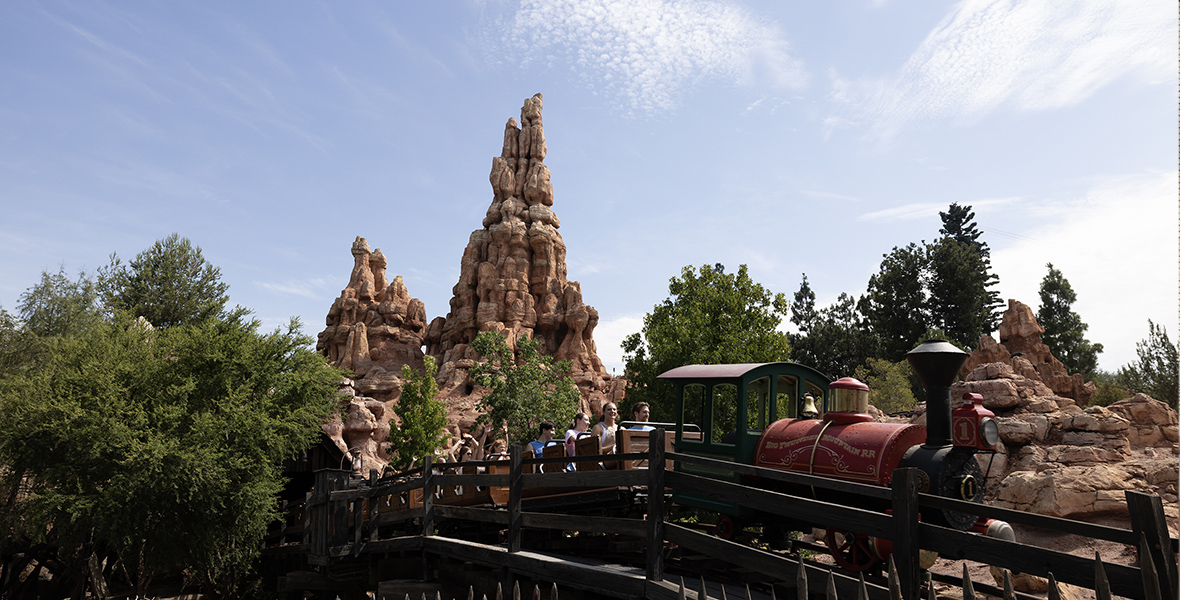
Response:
column 761, row 414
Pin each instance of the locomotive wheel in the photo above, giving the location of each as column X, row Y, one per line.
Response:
column 727, row 527
column 850, row 550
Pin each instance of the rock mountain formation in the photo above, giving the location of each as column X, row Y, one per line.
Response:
column 512, row 280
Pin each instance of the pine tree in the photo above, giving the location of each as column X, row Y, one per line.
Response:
column 1064, row 329
column 958, row 223
column 896, row 304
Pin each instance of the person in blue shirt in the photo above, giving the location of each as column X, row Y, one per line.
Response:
column 547, row 429
column 641, row 413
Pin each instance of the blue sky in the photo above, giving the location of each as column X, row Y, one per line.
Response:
column 793, row 137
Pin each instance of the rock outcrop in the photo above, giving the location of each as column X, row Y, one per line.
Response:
column 373, row 328
column 513, row 277
column 513, row 280
column 1020, row 336
column 1056, row 455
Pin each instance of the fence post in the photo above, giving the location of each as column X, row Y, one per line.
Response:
column 514, row 493
column 655, row 505
column 905, row 540
column 338, row 510
column 1147, row 518
column 427, row 496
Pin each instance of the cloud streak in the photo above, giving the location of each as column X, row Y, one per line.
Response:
column 1024, row 55
column 646, row 53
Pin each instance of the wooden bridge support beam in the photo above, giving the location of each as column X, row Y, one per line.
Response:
column 905, row 542
column 1147, row 518
column 655, row 506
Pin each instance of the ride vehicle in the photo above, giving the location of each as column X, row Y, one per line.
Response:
column 791, row 417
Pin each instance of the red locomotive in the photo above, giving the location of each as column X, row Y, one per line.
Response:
column 783, row 430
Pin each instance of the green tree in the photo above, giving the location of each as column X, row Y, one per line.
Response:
column 710, row 317
column 167, row 284
column 423, row 417
column 889, row 384
column 162, row 445
column 958, row 290
column 1064, row 329
column 834, row 339
column 58, row 306
column 896, row 302
column 527, row 387
column 1155, row 373
column 958, row 223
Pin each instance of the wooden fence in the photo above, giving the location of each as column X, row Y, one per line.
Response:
column 347, row 518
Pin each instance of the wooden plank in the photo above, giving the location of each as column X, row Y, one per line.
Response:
column 611, row 525
column 1147, row 519
column 775, row 503
column 482, row 515
column 586, row 479
column 655, row 507
column 515, row 487
column 905, row 540
column 386, row 489
column 1022, row 558
column 872, row 491
column 482, row 480
column 1101, row 532
column 780, row 568
column 399, row 516
column 427, row 496
column 409, row 543
column 545, row 567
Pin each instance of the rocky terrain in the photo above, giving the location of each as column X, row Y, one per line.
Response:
column 512, row 280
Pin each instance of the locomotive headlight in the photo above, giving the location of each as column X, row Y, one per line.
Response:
column 989, row 432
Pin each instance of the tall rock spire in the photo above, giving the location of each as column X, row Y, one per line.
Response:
column 513, row 273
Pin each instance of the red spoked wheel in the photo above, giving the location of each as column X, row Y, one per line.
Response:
column 727, row 527
column 851, row 550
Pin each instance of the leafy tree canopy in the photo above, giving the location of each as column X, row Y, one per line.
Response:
column 958, row 290
column 958, row 224
column 1156, row 371
column 889, row 384
column 835, row 339
column 710, row 317
column 1064, row 329
column 423, row 417
column 897, row 303
column 59, row 306
column 162, row 444
column 527, row 387
column 168, row 284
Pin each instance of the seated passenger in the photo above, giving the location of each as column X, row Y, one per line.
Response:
column 547, row 429
column 606, row 427
column 499, row 451
column 580, row 426
column 641, row 413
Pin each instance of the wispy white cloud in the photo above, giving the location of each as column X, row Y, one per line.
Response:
column 309, row 288
column 1024, row 55
column 828, row 196
column 925, row 210
column 1116, row 243
column 646, row 53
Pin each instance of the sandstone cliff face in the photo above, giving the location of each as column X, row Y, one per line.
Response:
column 513, row 277
column 1056, row 456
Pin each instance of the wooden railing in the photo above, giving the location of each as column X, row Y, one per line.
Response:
column 348, row 517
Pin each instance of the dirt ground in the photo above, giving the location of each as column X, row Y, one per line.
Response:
column 1110, row 552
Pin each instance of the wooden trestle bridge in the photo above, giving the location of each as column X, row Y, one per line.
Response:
column 352, row 535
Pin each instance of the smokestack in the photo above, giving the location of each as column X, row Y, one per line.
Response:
column 937, row 362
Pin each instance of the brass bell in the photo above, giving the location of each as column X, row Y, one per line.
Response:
column 807, row 409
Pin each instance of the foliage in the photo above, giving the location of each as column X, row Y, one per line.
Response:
column 168, row 284
column 1064, row 329
column 423, row 417
column 958, row 290
column 710, row 317
column 889, row 384
column 1110, row 389
column 1155, row 373
column 896, row 301
column 527, row 387
column 958, row 223
column 57, row 306
column 835, row 339
column 165, row 445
